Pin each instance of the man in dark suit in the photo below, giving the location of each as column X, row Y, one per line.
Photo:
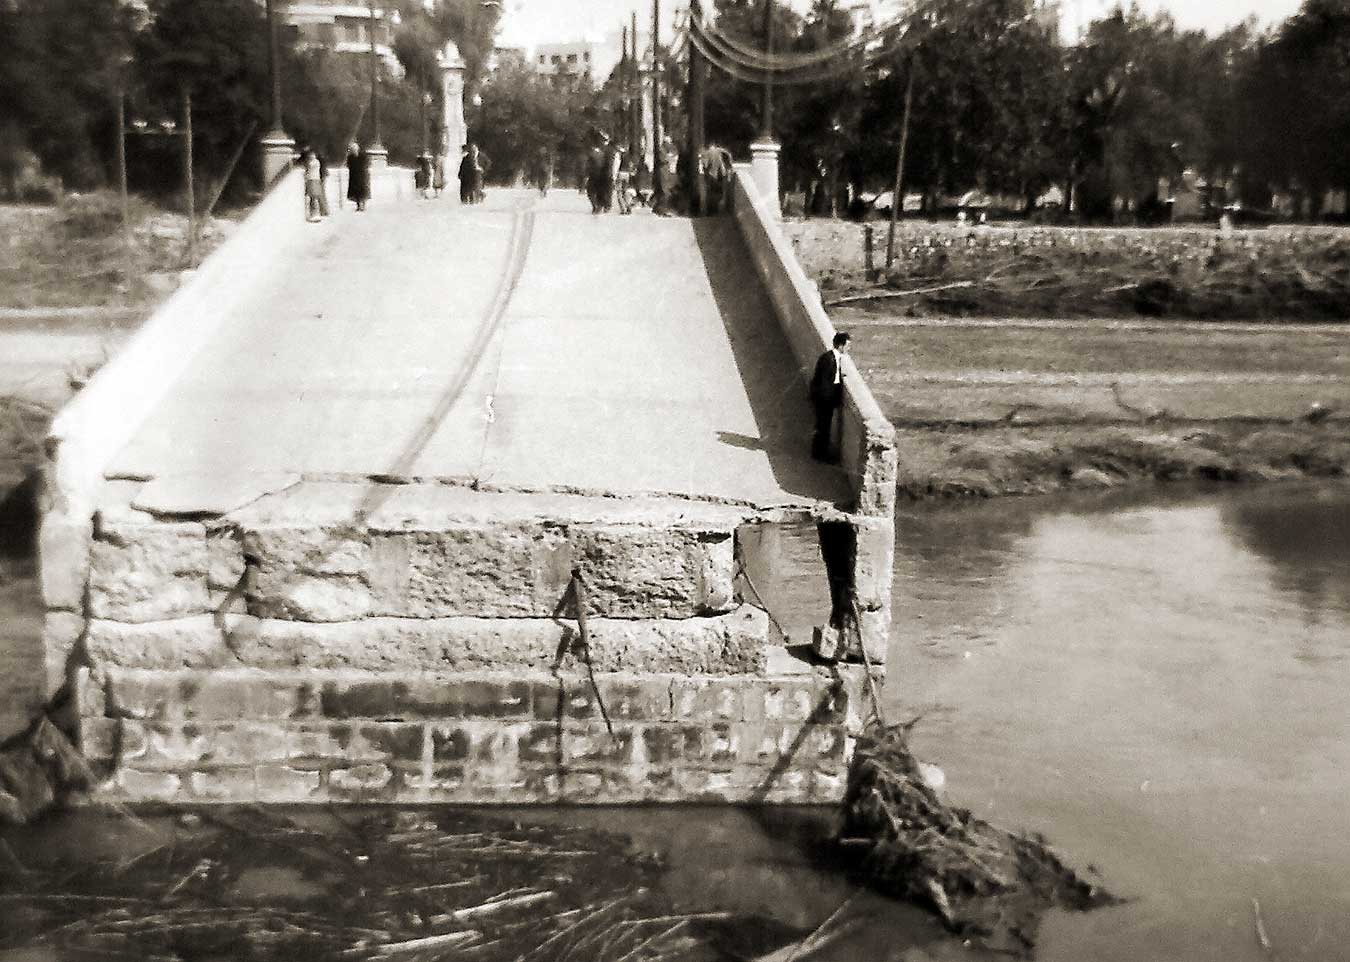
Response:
column 827, row 396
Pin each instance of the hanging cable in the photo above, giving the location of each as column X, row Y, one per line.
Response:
column 717, row 57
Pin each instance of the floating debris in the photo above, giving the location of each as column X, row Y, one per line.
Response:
column 988, row 885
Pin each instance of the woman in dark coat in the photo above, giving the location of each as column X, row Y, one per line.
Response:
column 358, row 176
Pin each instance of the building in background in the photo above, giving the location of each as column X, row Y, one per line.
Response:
column 343, row 27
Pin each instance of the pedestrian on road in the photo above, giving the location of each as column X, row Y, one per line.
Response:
column 316, row 205
column 599, row 185
column 471, row 167
column 827, row 397
column 358, row 176
column 438, row 176
column 422, row 175
column 714, row 169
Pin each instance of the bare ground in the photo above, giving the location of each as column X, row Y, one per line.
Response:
column 999, row 406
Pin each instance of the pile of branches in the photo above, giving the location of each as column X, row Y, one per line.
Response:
column 1077, row 273
column 986, row 884
column 405, row 886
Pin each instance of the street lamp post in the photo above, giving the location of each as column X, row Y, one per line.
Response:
column 766, row 103
column 375, row 150
column 765, row 150
column 278, row 150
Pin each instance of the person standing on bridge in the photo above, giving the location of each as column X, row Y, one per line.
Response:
column 358, row 176
column 316, row 204
column 827, row 397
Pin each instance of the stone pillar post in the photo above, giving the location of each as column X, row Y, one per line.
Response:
column 278, row 153
column 764, row 172
column 455, row 132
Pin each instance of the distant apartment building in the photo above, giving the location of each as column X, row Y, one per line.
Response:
column 572, row 58
column 594, row 59
column 342, row 27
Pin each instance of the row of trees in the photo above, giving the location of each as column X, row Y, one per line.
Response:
column 63, row 64
column 1002, row 104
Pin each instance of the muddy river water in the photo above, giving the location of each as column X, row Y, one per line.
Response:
column 1159, row 683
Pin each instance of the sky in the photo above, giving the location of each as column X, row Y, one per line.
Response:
column 529, row 22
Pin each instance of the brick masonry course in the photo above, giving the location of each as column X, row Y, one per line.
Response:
column 190, row 736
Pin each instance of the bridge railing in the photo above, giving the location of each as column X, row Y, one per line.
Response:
column 867, row 445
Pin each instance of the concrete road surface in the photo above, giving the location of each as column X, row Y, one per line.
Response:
column 521, row 344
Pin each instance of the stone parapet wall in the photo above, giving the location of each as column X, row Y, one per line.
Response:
column 476, row 737
column 868, row 439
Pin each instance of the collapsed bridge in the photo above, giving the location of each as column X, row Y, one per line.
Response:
column 455, row 504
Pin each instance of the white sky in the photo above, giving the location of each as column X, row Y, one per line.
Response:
column 528, row 22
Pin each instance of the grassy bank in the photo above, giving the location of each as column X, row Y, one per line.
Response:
column 1199, row 273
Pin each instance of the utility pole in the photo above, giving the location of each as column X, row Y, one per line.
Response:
column 274, row 67
column 696, row 84
column 189, row 188
column 898, row 195
column 276, row 146
column 626, row 91
column 658, row 158
column 766, row 107
column 635, row 107
column 375, row 144
column 122, row 164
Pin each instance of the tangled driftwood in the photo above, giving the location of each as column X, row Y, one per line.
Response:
column 36, row 769
column 986, row 883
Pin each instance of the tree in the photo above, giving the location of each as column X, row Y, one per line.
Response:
column 1299, row 91
column 61, row 62
column 218, row 53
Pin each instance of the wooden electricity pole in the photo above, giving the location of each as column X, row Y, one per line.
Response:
column 374, row 84
column 897, row 195
column 659, row 198
column 696, row 85
column 188, row 186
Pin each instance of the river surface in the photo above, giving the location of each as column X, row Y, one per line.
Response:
column 1159, row 683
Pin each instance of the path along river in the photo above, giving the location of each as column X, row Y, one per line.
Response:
column 1159, row 683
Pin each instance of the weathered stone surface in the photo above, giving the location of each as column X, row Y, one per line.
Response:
column 733, row 643
column 198, row 641
column 485, row 737
column 308, row 574
column 502, row 571
column 224, row 695
column 63, row 552
column 61, row 632
column 873, row 565
column 640, row 572
column 510, row 569
column 225, row 564
column 148, row 572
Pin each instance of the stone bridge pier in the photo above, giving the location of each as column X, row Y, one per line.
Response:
column 433, row 509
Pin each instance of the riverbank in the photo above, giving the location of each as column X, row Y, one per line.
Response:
column 988, row 407
column 1071, row 388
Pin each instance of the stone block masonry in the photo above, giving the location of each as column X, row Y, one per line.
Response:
column 480, row 737
column 418, row 644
